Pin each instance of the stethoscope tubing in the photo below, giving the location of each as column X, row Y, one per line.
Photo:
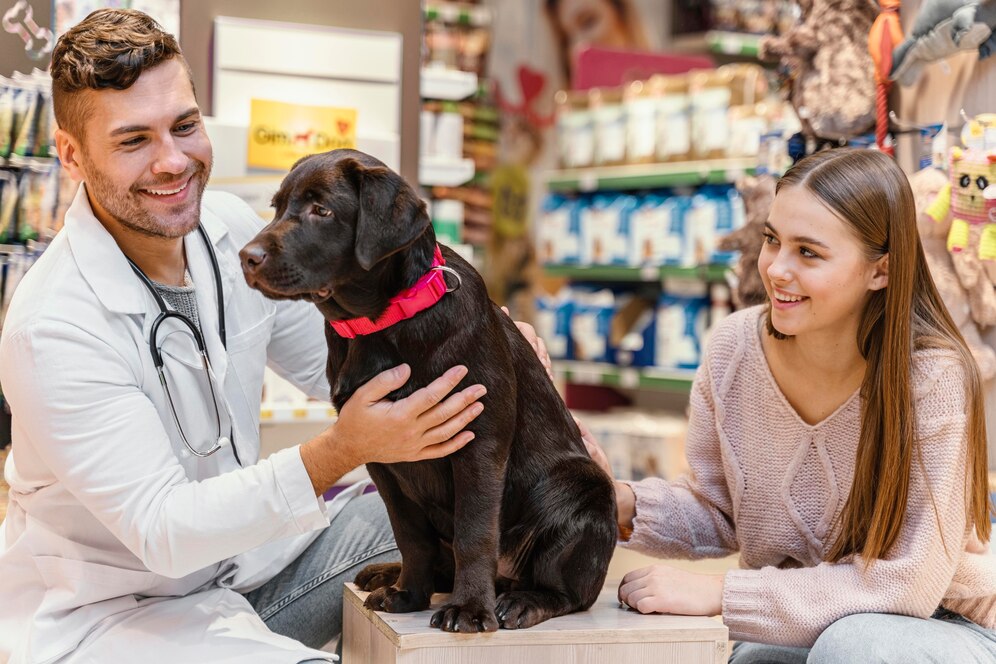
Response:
column 157, row 359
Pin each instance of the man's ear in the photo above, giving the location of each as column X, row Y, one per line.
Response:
column 880, row 275
column 390, row 215
column 69, row 149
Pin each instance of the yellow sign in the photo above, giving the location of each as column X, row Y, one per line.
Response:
column 280, row 134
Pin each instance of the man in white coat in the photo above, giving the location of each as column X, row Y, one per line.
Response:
column 133, row 534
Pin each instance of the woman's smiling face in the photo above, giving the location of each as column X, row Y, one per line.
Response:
column 814, row 268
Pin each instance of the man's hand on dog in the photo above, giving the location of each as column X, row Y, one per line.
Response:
column 371, row 428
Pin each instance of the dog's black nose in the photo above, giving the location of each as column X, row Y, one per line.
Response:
column 253, row 255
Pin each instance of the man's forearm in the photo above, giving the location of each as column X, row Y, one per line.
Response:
column 325, row 461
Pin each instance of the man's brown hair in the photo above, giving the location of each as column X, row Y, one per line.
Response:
column 110, row 48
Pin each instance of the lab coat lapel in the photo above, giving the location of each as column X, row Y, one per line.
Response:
column 202, row 274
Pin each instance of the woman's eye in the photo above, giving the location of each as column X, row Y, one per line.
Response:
column 807, row 253
column 770, row 239
column 321, row 211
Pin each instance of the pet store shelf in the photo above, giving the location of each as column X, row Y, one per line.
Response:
column 444, row 172
column 447, row 84
column 648, row 176
column 282, row 413
column 455, row 12
column 600, row 373
column 733, row 43
column 632, row 274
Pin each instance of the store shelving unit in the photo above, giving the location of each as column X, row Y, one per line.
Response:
column 610, row 375
column 733, row 43
column 648, row 176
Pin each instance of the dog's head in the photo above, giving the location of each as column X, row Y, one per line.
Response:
column 339, row 216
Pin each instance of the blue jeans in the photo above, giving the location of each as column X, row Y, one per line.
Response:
column 879, row 638
column 304, row 601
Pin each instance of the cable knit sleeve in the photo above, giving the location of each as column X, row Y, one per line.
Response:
column 690, row 517
column 793, row 606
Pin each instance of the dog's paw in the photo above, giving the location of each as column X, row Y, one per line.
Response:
column 471, row 617
column 377, row 576
column 394, row 600
column 522, row 609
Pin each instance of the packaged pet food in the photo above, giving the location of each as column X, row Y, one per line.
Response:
column 681, row 324
column 553, row 323
column 674, row 129
column 710, row 106
column 591, row 325
column 634, row 330
column 575, row 129
column 609, row 119
column 604, row 226
column 641, row 123
column 559, row 235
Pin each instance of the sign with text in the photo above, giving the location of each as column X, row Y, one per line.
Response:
column 281, row 133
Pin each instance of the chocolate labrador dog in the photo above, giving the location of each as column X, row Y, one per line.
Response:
column 522, row 508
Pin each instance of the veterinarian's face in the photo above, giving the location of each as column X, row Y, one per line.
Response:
column 145, row 156
column 814, row 267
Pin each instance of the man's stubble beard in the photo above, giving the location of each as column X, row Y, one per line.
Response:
column 124, row 207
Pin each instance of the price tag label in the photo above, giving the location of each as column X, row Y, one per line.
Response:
column 588, row 181
column 629, row 377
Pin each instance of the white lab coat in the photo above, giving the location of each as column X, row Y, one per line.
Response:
column 119, row 545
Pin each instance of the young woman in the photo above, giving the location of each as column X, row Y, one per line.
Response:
column 837, row 442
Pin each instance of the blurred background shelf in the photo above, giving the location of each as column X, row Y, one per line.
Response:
column 284, row 413
column 447, row 84
column 610, row 375
column 648, row 176
column 636, row 274
column 733, row 43
column 444, row 172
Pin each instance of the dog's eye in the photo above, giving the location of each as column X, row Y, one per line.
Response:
column 321, row 211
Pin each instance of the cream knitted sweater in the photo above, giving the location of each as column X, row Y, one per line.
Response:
column 768, row 485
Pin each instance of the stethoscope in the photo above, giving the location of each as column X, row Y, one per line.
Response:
column 157, row 357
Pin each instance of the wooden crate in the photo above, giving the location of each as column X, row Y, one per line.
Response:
column 604, row 634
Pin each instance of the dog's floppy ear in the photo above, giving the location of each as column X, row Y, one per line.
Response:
column 390, row 215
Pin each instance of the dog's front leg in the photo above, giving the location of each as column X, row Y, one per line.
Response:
column 478, row 488
column 418, row 544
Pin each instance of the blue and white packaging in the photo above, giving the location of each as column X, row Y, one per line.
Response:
column 681, row 324
column 558, row 238
column 638, row 346
column 650, row 227
column 553, row 323
column 604, row 226
column 731, row 215
column 591, row 325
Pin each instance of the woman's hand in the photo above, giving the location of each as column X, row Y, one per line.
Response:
column 663, row 589
column 529, row 332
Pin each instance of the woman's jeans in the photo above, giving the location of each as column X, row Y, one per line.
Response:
column 879, row 638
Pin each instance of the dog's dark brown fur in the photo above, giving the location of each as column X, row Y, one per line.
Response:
column 522, row 505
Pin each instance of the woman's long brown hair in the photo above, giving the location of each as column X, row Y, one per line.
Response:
column 868, row 191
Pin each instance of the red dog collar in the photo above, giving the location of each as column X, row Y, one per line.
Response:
column 426, row 292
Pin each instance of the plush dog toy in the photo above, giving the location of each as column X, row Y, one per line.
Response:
column 942, row 28
column 758, row 194
column 927, row 185
column 831, row 74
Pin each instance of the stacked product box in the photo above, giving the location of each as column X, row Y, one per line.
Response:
column 658, row 228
